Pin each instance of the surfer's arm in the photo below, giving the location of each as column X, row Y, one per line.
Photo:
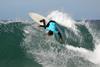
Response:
column 47, row 24
column 41, row 26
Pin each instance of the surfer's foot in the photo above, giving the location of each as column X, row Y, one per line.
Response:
column 61, row 41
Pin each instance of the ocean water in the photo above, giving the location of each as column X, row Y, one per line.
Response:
column 24, row 45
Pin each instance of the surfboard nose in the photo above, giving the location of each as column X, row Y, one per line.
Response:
column 37, row 17
column 30, row 14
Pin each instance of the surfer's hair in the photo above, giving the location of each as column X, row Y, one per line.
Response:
column 50, row 33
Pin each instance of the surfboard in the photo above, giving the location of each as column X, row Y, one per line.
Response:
column 37, row 17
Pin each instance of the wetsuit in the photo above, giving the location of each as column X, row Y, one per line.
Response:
column 51, row 26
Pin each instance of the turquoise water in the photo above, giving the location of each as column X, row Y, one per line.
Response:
column 21, row 45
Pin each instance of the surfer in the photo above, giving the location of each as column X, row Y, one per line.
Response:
column 51, row 28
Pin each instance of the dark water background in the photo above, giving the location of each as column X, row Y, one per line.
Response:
column 12, row 54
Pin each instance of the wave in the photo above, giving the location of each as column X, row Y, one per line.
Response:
column 77, row 51
column 80, row 49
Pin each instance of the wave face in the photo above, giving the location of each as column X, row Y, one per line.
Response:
column 23, row 45
column 76, row 34
column 11, row 52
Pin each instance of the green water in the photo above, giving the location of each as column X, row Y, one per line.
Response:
column 13, row 54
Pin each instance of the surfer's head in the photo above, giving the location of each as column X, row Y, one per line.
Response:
column 50, row 33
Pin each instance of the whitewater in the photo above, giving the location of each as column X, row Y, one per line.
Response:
column 50, row 53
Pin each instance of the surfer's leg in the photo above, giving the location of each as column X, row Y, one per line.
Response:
column 61, row 39
column 59, row 35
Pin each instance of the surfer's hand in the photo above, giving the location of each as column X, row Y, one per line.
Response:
column 43, row 20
